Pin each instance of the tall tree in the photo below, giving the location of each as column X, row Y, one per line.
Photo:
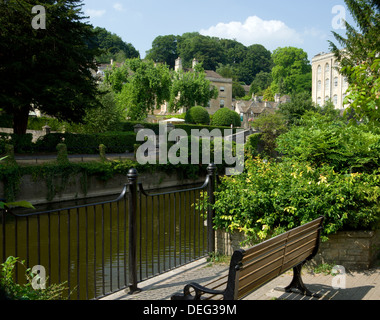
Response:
column 164, row 49
column 141, row 86
column 257, row 59
column 291, row 72
column 46, row 68
column 191, row 88
column 359, row 60
column 112, row 47
column 359, row 44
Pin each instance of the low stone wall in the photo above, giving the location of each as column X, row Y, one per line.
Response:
column 354, row 250
column 36, row 191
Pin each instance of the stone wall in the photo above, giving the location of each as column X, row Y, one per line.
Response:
column 354, row 250
column 36, row 191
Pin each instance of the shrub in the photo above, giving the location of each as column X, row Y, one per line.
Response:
column 225, row 117
column 116, row 142
column 197, row 115
column 321, row 140
column 270, row 198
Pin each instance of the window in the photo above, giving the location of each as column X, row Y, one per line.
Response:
column 319, row 100
column 222, row 89
column 327, row 68
column 319, row 85
column 319, row 70
column 222, row 103
column 336, row 82
column 327, row 84
column 335, row 100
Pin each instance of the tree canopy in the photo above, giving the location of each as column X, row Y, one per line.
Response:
column 112, row 47
column 359, row 60
column 47, row 68
column 291, row 72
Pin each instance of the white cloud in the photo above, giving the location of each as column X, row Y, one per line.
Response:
column 270, row 33
column 95, row 13
column 118, row 6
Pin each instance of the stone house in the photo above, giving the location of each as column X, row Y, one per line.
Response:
column 249, row 110
column 224, row 86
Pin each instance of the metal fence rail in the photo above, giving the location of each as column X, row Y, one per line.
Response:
column 101, row 248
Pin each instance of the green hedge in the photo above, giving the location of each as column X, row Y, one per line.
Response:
column 272, row 197
column 21, row 143
column 197, row 115
column 129, row 126
column 115, row 142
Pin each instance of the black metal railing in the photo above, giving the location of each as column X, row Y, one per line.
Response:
column 104, row 247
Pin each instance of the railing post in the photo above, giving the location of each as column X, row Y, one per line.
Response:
column 132, row 203
column 211, row 173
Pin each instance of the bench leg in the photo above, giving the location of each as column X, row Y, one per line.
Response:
column 298, row 284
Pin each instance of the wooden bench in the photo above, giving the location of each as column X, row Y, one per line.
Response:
column 252, row 268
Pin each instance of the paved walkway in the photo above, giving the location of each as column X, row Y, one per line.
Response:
column 363, row 285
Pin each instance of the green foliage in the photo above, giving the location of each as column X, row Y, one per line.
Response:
column 9, row 290
column 197, row 115
column 62, row 157
column 140, row 86
column 300, row 103
column 270, row 198
column 225, row 117
column 364, row 90
column 291, row 72
column 271, row 126
column 322, row 140
column 112, row 47
column 102, row 152
column 116, row 142
column 49, row 69
column 252, row 144
column 191, row 88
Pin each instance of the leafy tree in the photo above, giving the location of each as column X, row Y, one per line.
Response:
column 291, row 72
column 191, row 88
column 48, row 69
column 271, row 126
column 293, row 110
column 203, row 48
column 260, row 83
column 257, row 59
column 112, row 47
column 140, row 86
column 164, row 49
column 359, row 45
column 359, row 59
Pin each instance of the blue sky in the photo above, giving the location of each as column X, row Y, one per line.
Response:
column 303, row 24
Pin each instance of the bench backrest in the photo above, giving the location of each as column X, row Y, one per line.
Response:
column 252, row 268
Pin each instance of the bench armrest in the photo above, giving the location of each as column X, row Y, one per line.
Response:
column 199, row 291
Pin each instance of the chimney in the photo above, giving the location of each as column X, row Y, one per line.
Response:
column 178, row 64
column 277, row 98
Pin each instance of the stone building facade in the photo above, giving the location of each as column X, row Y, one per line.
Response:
column 328, row 83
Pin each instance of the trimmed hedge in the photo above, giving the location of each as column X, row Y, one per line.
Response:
column 116, row 142
column 22, row 143
column 226, row 117
column 129, row 126
column 197, row 115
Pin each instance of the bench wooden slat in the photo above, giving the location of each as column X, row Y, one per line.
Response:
column 254, row 267
column 264, row 247
column 258, row 283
